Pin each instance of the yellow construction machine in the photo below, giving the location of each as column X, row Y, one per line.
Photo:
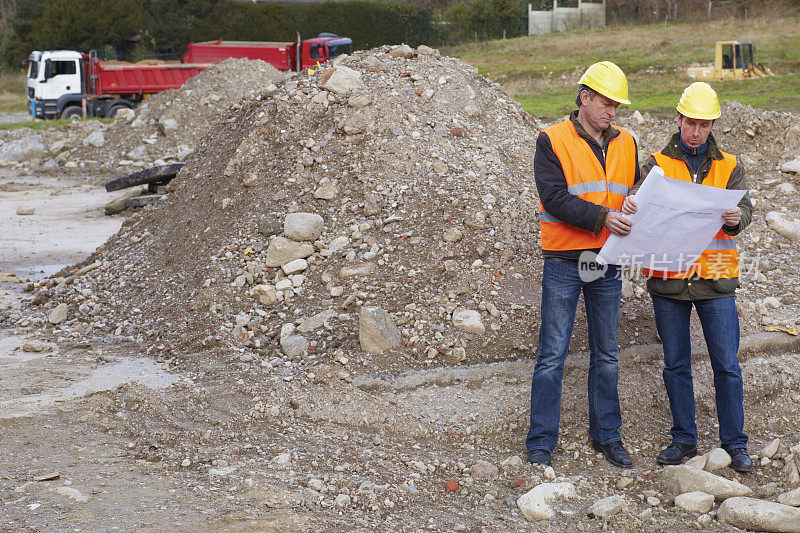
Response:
column 733, row 60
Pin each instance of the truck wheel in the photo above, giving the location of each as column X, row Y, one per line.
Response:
column 112, row 113
column 72, row 112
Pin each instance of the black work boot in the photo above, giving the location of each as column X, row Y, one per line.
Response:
column 614, row 452
column 675, row 453
column 740, row 460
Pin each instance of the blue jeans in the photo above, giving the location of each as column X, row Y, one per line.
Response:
column 720, row 324
column 561, row 288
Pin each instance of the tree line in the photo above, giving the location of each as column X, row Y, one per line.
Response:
column 135, row 29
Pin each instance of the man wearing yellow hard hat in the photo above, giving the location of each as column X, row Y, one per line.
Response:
column 584, row 168
column 709, row 285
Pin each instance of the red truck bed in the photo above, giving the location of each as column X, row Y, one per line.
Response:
column 279, row 54
column 122, row 79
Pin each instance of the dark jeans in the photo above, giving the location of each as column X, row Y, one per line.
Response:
column 561, row 288
column 721, row 330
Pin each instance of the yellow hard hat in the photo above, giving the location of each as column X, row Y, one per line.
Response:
column 699, row 101
column 607, row 79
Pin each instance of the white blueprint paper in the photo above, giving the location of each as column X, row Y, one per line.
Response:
column 674, row 222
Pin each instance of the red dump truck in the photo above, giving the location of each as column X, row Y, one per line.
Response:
column 70, row 84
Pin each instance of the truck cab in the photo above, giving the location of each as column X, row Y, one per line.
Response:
column 55, row 80
column 322, row 48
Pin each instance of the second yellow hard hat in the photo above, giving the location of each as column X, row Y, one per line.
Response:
column 699, row 101
column 607, row 79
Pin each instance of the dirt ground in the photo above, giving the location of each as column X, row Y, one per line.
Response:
column 167, row 401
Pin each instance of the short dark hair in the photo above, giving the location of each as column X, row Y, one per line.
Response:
column 582, row 88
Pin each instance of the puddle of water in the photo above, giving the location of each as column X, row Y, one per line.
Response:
column 106, row 377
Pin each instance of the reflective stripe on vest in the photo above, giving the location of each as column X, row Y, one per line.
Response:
column 720, row 258
column 587, row 179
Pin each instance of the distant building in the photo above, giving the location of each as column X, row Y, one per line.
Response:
column 587, row 15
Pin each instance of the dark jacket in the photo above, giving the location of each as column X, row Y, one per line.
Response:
column 552, row 186
column 696, row 288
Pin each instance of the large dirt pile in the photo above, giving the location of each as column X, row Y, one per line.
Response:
column 421, row 175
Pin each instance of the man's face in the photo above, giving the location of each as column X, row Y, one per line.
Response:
column 694, row 131
column 598, row 110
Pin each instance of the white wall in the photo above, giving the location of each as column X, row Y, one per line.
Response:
column 587, row 15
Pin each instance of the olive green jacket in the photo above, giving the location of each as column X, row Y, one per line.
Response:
column 696, row 288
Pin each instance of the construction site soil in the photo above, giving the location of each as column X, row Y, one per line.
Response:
column 307, row 207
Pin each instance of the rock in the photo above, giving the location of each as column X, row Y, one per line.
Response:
column 96, row 139
column 377, row 331
column 759, row 515
column 453, row 235
column 792, row 167
column 696, row 501
column 294, row 345
column 364, row 269
column 316, row 321
column 424, row 50
column 484, row 470
column 533, row 504
column 342, row 500
column 468, row 320
column 265, row 294
column 59, row 314
column 282, row 250
column 770, row 302
column 138, row 154
column 451, row 486
column 72, row 494
column 23, row 149
column 771, row 448
column 293, row 267
column 790, row 498
column 787, row 188
column 653, row 501
column 119, row 204
column 402, row 50
column 607, row 506
column 316, row 484
column 303, row 226
column 341, row 80
column 359, row 101
column 512, row 460
column 698, row 461
column 33, row 346
column 716, row 459
column 326, row 191
column 681, row 479
column 167, row 125
column 57, row 147
column 624, row 482
column 26, row 210
column 783, row 225
column 637, row 116
column 125, row 115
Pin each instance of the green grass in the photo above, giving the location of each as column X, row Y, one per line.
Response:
column 654, row 58
column 12, row 92
column 45, row 124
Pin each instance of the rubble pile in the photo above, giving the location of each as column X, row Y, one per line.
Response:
column 390, row 182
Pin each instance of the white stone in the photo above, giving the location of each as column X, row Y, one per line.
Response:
column 96, row 139
column 294, row 345
column 167, row 125
column 303, row 226
column 23, row 149
column 607, row 506
column 784, row 225
column 533, row 504
column 770, row 302
column 59, row 314
column 316, row 321
column 343, row 80
column 293, row 267
column 698, row 461
column 759, row 515
column 342, row 500
column 72, row 494
column 377, row 331
column 468, row 320
column 512, row 460
column 771, row 448
column 282, row 459
column 282, row 250
column 316, row 484
column 792, row 167
column 125, row 115
column 716, row 459
column 265, row 294
column 402, row 50
column 681, row 479
column 790, row 498
column 283, row 284
column 339, row 243
column 696, row 501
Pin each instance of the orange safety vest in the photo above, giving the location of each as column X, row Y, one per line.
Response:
column 720, row 258
column 587, row 179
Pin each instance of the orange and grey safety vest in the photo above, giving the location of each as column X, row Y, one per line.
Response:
column 720, row 258
column 587, row 179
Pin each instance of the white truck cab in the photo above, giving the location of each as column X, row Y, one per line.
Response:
column 55, row 84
